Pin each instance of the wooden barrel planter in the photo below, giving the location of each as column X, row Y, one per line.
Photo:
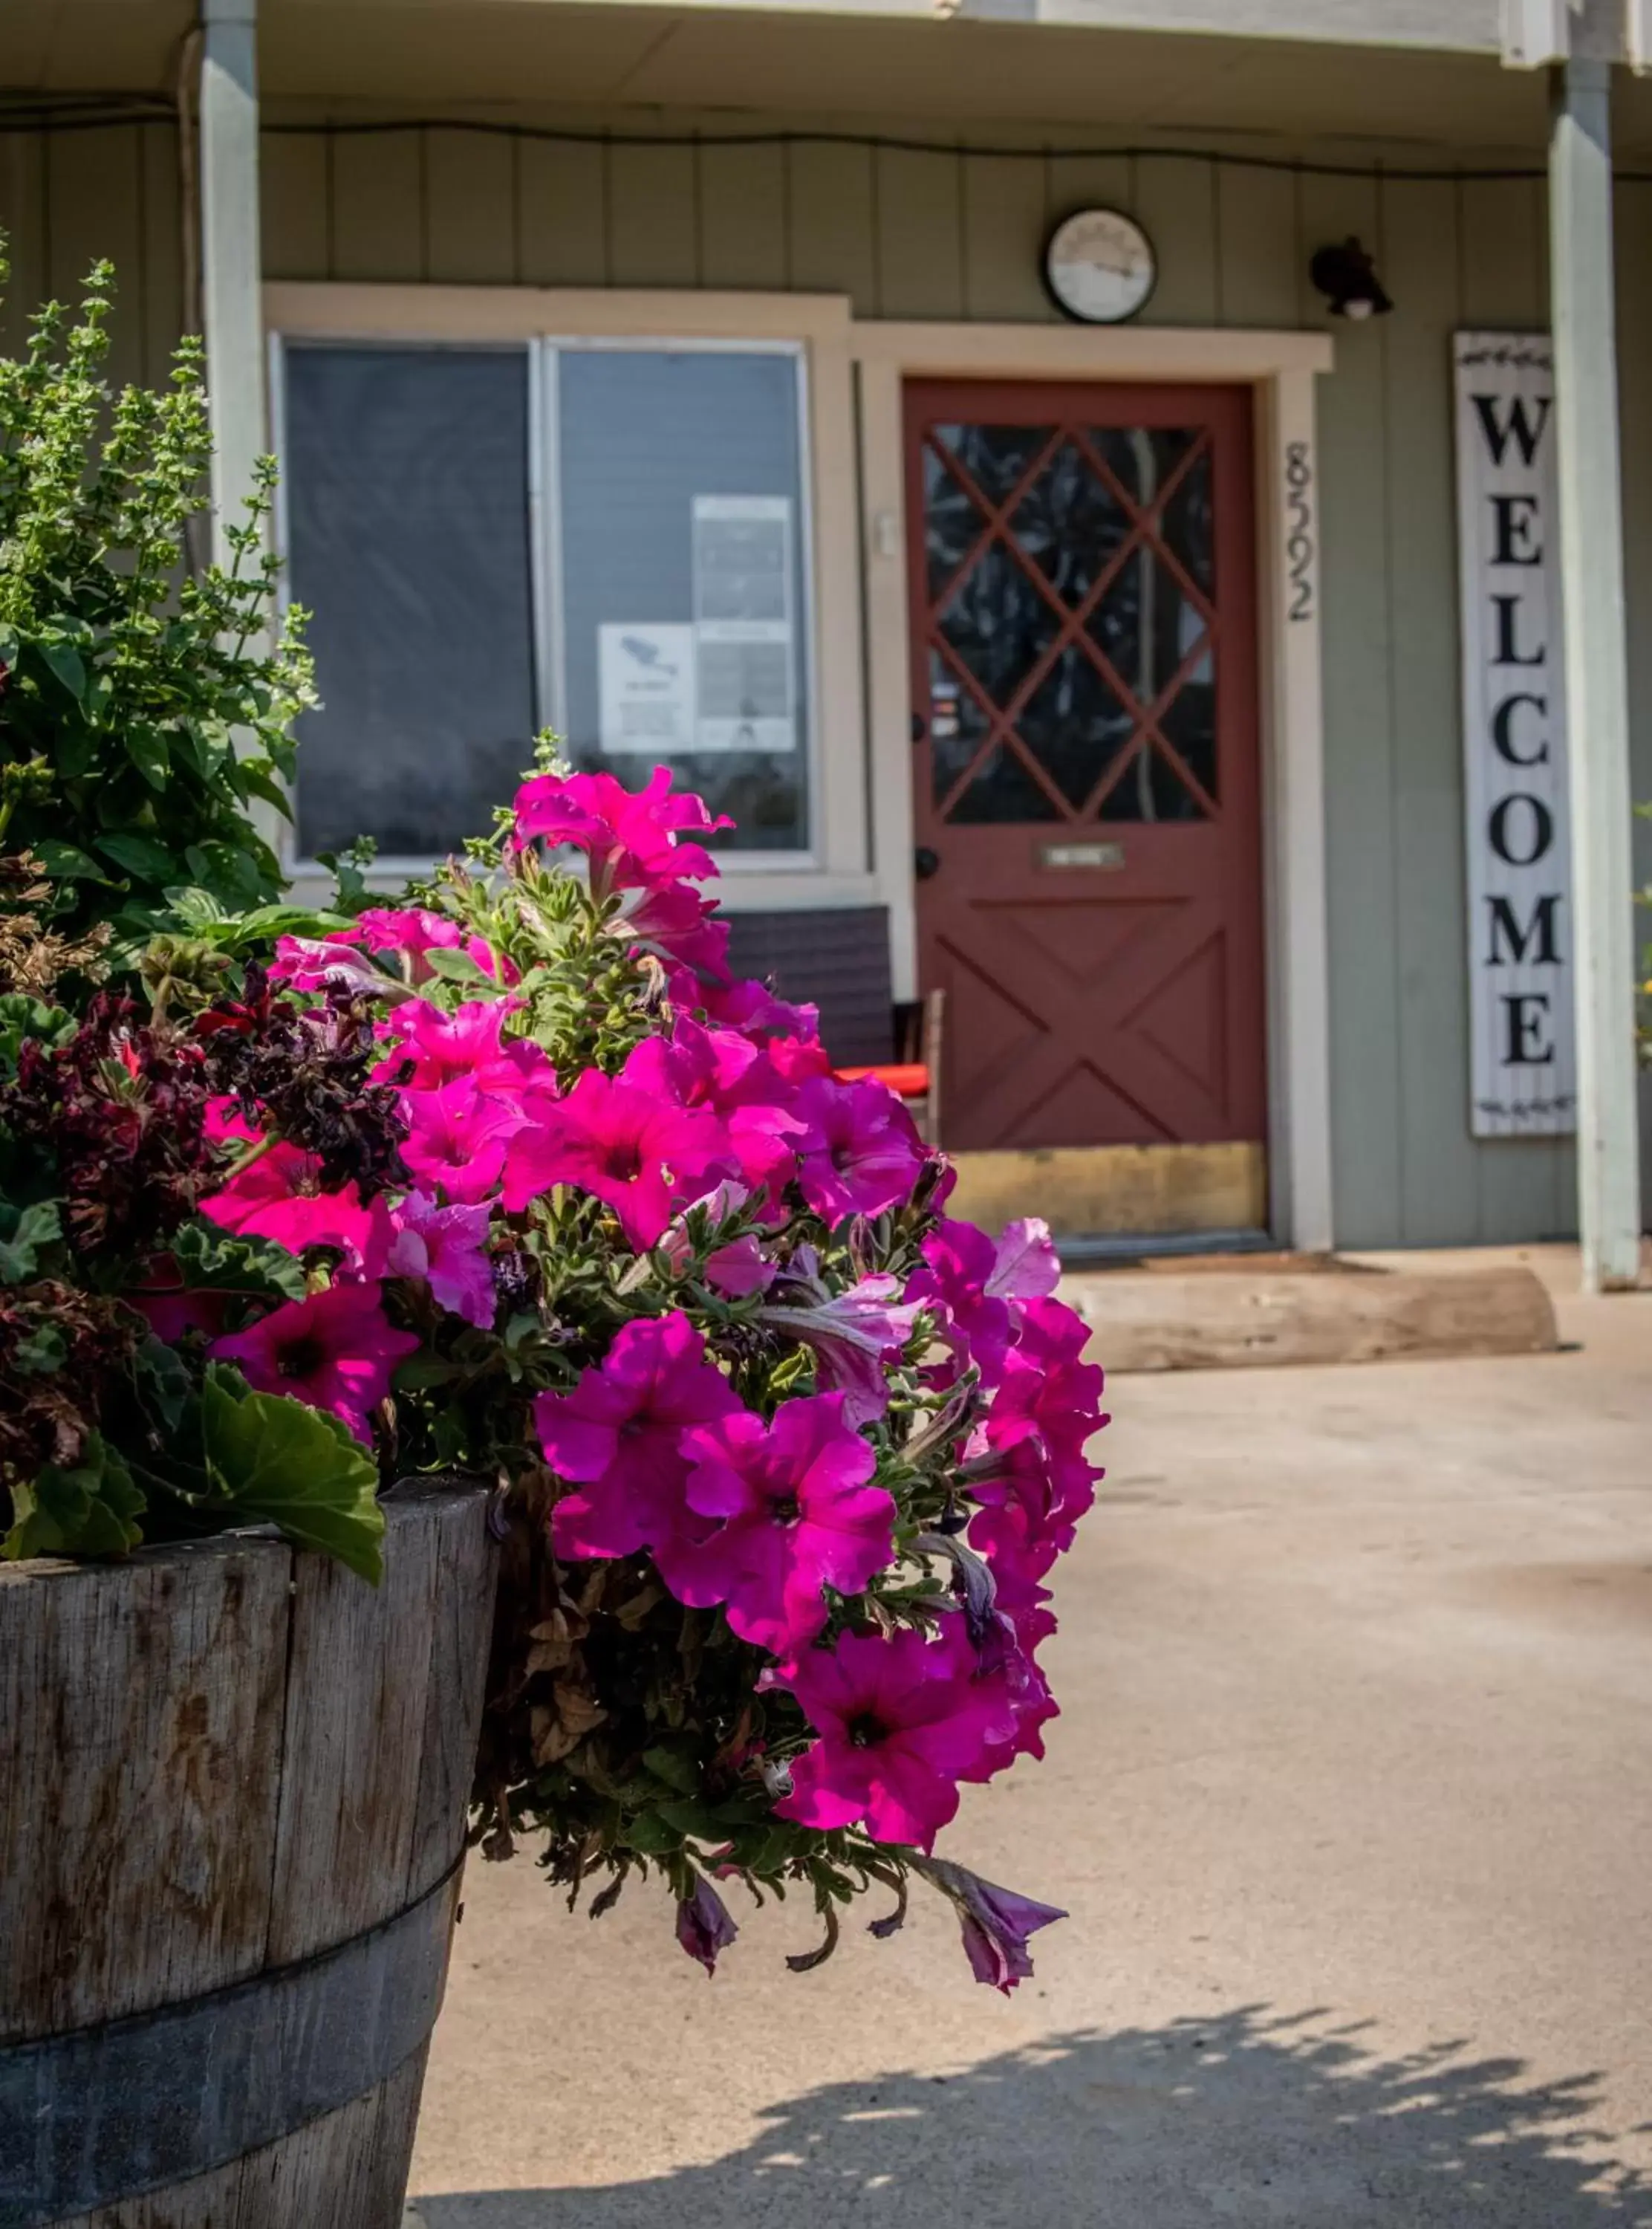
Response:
column 232, row 1784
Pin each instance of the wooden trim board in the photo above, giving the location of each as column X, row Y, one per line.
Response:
column 1097, row 1191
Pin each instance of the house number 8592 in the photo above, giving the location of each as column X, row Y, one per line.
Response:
column 1299, row 532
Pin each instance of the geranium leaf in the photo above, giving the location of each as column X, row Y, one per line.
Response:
column 88, row 1509
column 282, row 1463
column 23, row 1231
column 213, row 1261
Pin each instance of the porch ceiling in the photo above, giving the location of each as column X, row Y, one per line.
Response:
column 977, row 69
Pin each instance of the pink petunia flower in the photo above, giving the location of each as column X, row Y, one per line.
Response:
column 334, row 1349
column 996, row 1922
column 748, row 1006
column 977, row 1288
column 618, row 1435
column 897, row 1725
column 644, row 1156
column 311, row 963
column 279, row 1197
column 630, row 837
column 680, row 925
column 1047, row 1387
column 458, row 1138
column 467, row 1046
column 705, row 1925
column 853, row 1333
column 445, row 1248
column 727, row 1075
column 792, row 1513
column 862, row 1153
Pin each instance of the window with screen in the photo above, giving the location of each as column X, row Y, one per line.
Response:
column 609, row 540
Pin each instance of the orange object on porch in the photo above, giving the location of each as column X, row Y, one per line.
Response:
column 907, row 1079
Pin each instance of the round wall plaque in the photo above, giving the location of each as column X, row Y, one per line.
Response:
column 1099, row 266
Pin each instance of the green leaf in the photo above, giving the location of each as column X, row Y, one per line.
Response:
column 281, row 1462
column 164, row 1377
column 147, row 749
column 67, row 863
column 41, row 1351
column 23, row 1231
column 88, row 1509
column 257, row 783
column 675, row 1768
column 457, row 968
column 21, row 1017
column 692, row 1818
column 213, row 1261
column 651, row 1836
column 137, row 855
column 67, row 667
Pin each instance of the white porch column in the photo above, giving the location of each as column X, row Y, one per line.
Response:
column 231, row 314
column 1592, row 557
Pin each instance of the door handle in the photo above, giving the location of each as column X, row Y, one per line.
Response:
column 926, row 863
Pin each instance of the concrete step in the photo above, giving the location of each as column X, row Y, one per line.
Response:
column 1240, row 1312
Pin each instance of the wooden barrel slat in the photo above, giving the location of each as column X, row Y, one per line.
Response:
column 222, row 1758
column 140, row 1733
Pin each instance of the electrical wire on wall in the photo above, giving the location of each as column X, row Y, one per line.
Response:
column 85, row 113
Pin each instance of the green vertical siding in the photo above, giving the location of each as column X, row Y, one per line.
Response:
column 955, row 233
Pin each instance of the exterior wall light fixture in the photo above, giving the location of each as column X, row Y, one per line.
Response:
column 1345, row 274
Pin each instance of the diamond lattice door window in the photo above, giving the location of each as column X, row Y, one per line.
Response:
column 1083, row 596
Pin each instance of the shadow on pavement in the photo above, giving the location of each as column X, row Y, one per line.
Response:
column 1246, row 2117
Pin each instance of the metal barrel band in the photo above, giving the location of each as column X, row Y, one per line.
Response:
column 144, row 2102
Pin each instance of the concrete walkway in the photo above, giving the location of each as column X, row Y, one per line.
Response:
column 1352, row 1806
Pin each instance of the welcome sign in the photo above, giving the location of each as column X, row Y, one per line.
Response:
column 1523, row 1065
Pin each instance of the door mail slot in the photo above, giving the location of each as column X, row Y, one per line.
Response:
column 1104, row 856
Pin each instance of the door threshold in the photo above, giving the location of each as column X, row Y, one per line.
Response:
column 1119, row 1249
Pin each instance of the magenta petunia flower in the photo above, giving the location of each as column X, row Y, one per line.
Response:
column 311, row 963
column 748, row 1006
column 996, row 1922
column 618, row 1435
column 725, row 1074
column 630, row 837
column 279, row 1197
column 705, row 1925
column 334, row 1349
column 898, row 1724
column 977, row 1289
column 679, row 924
column 1047, row 1388
column 860, row 1152
column 458, row 1138
column 645, row 1157
column 467, row 1046
column 739, row 1268
column 445, row 1248
column 791, row 1510
column 854, row 1334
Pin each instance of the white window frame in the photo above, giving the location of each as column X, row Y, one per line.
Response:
column 835, row 869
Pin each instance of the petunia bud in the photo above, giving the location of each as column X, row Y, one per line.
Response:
column 704, row 1926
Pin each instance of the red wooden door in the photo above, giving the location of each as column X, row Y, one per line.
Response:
column 1084, row 720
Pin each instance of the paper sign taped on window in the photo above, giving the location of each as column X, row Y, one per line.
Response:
column 645, row 687
column 743, row 624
